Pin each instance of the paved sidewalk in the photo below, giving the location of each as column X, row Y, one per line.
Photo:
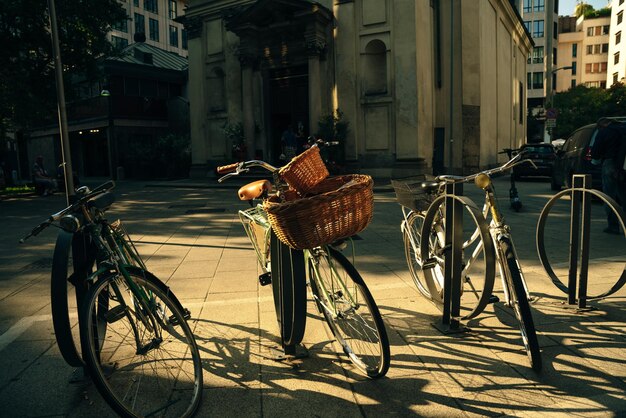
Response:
column 191, row 237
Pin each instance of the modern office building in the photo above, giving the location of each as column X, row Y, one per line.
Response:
column 616, row 71
column 153, row 21
column 423, row 84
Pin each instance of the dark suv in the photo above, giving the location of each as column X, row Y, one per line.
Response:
column 543, row 155
column 574, row 157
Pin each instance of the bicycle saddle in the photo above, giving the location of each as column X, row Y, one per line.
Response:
column 254, row 190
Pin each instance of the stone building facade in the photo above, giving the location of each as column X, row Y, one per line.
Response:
column 424, row 84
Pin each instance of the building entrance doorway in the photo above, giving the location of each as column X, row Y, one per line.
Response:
column 288, row 105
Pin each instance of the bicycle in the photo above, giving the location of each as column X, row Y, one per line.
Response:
column 339, row 292
column 485, row 244
column 135, row 342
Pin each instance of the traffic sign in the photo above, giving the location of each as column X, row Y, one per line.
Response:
column 550, row 123
column 551, row 113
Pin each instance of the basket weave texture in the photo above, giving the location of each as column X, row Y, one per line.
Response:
column 305, row 171
column 338, row 207
column 410, row 193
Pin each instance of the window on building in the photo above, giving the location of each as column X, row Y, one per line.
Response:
column 621, row 2
column 521, row 102
column 590, row 31
column 537, row 55
column 172, row 9
column 183, row 36
column 573, row 83
column 588, row 68
column 140, row 23
column 555, row 30
column 151, row 5
column 620, row 17
column 574, row 65
column 537, row 80
column 605, row 48
column 136, row 3
column 529, row 80
column 618, row 37
column 540, row 5
column 528, row 6
column 616, row 58
column 122, row 25
column 596, row 67
column 538, row 29
column 153, row 29
column 603, row 67
column 605, row 30
column 173, row 36
column 118, row 42
column 589, row 49
column 574, row 50
column 615, row 75
column 527, row 24
column 375, row 65
column 596, row 48
column 553, row 56
column 602, row 84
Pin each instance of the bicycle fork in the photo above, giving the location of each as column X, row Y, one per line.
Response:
column 342, row 292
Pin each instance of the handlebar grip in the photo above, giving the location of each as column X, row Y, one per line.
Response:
column 225, row 169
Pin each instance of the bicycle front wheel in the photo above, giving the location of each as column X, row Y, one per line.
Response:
column 350, row 311
column 146, row 363
column 519, row 302
column 412, row 236
column 289, row 288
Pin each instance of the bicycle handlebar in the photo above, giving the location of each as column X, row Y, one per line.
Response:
column 103, row 188
column 504, row 167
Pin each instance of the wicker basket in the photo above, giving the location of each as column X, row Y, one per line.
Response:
column 338, row 207
column 409, row 192
column 305, row 171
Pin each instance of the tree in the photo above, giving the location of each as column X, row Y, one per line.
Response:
column 582, row 8
column 582, row 105
column 27, row 83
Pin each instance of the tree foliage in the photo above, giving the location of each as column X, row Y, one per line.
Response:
column 582, row 8
column 27, row 82
column 582, row 105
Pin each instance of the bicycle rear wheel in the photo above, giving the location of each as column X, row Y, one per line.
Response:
column 72, row 262
column 289, row 288
column 519, row 302
column 350, row 311
column 148, row 345
column 478, row 257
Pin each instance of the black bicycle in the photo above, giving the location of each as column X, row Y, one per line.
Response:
column 134, row 341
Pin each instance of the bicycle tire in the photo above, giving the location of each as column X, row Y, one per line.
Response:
column 479, row 242
column 412, row 236
column 66, row 327
column 289, row 290
column 370, row 352
column 160, row 377
column 519, row 302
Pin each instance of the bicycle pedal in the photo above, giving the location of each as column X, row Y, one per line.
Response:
column 493, row 299
column 265, row 278
column 115, row 314
column 429, row 264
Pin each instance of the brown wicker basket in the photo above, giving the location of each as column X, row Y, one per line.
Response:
column 338, row 207
column 305, row 171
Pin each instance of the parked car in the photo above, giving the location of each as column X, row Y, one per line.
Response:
column 574, row 157
column 543, row 155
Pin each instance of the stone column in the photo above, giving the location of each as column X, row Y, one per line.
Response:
column 316, row 49
column 248, row 109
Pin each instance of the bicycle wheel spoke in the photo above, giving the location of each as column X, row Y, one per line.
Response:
column 351, row 312
column 157, row 370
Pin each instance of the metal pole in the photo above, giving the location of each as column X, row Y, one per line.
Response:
column 63, row 129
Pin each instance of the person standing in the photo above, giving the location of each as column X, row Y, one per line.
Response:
column 605, row 150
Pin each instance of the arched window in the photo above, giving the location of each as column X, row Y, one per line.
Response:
column 375, row 68
column 216, row 90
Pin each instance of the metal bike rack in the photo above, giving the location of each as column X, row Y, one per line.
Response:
column 580, row 221
column 453, row 255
